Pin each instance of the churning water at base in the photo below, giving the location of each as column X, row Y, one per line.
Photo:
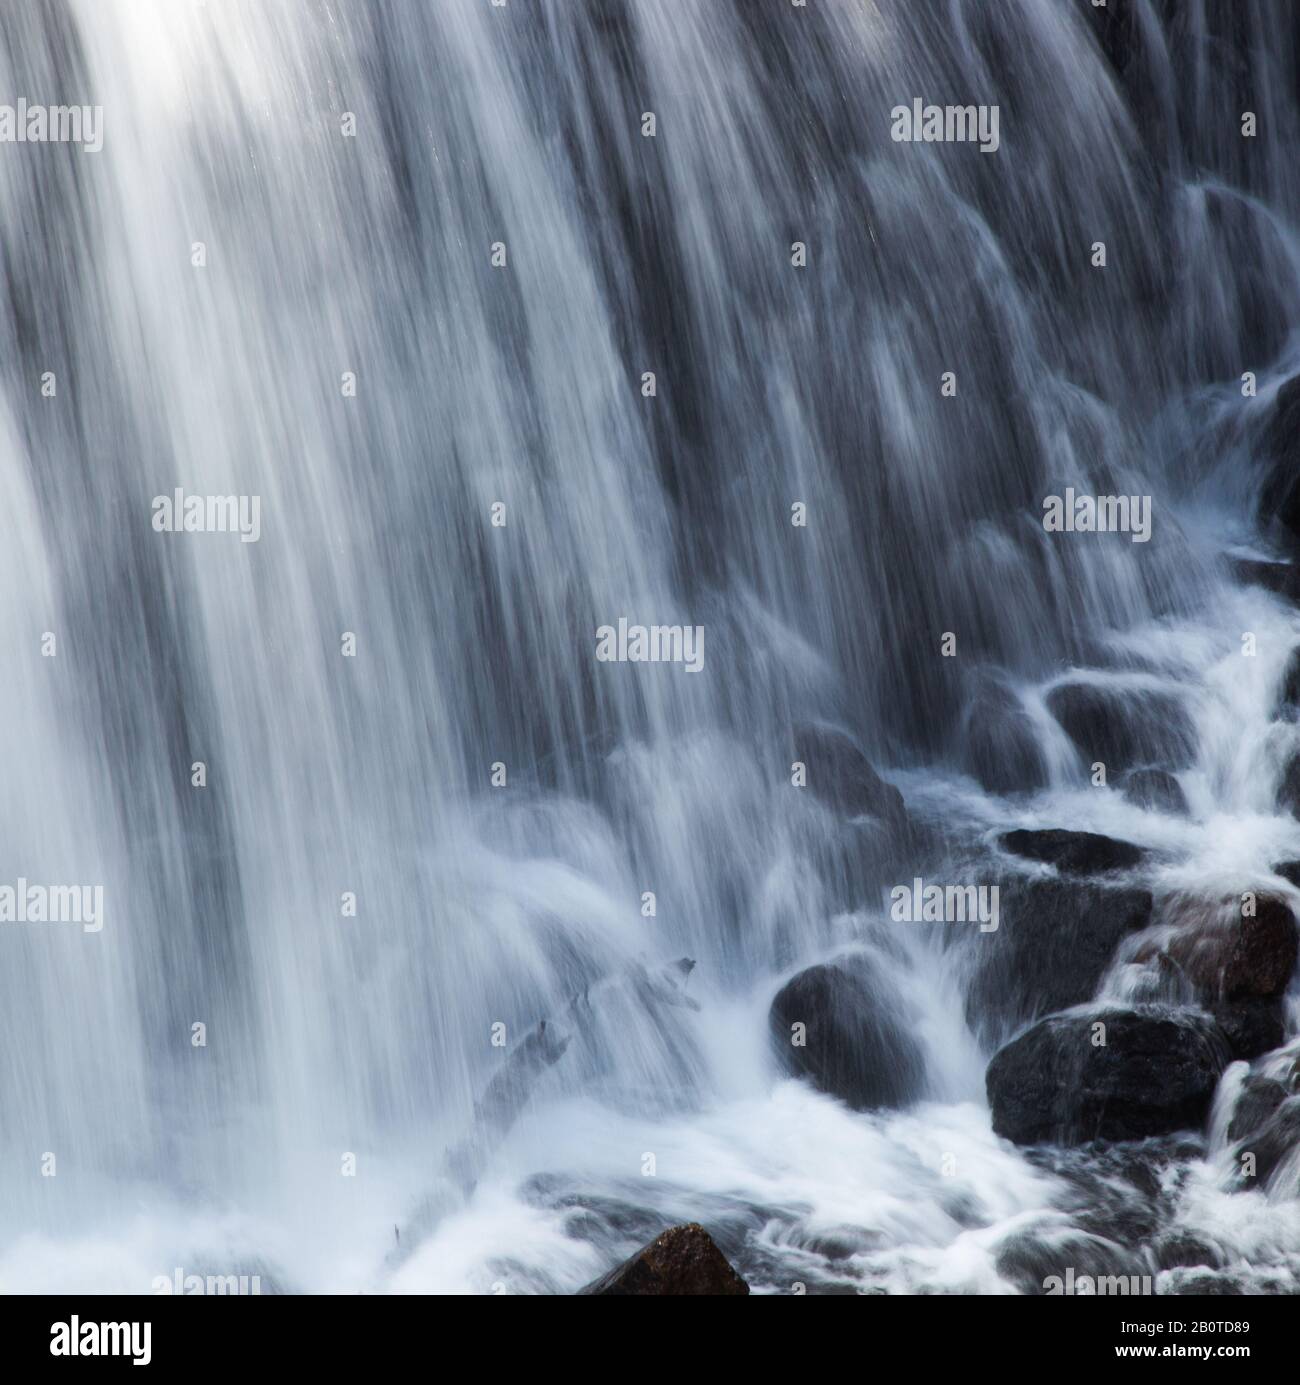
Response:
column 396, row 337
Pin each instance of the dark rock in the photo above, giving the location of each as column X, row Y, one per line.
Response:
column 842, row 777
column 1123, row 727
column 1116, row 28
column 1054, row 943
column 1156, row 1072
column 1258, row 1100
column 999, row 743
column 1238, row 965
column 1030, row 1258
column 855, row 1045
column 1282, row 579
column 1155, row 788
column 1289, row 870
column 1251, row 1027
column 1288, row 698
column 1182, row 1249
column 1123, row 1193
column 1279, row 503
column 684, row 1260
column 1202, row 1283
column 1273, row 1145
column 1230, row 955
column 1288, row 791
column 1073, row 853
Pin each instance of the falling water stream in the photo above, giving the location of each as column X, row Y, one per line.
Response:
column 203, row 288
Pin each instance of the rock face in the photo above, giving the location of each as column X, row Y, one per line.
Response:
column 1259, row 1098
column 1239, row 965
column 1054, row 943
column 855, row 1047
column 1288, row 870
column 841, row 776
column 1155, row 788
column 1288, row 697
column 1230, row 956
column 1180, row 1249
column 1279, row 504
column 1251, row 1027
column 998, row 741
column 1124, row 728
column 684, row 1260
column 1073, row 853
column 1276, row 1146
column 1288, row 791
column 1283, row 579
column 1155, row 1073
column 1030, row 1257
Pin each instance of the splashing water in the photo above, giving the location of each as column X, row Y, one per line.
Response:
column 495, row 260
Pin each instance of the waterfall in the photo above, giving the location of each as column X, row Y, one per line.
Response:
column 504, row 363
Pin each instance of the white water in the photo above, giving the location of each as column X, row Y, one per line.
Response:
column 329, row 1035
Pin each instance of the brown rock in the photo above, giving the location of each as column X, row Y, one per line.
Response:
column 1231, row 955
column 683, row 1260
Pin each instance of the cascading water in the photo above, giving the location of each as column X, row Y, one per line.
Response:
column 400, row 272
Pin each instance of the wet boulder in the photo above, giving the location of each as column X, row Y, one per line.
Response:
column 1123, row 727
column 1288, row 790
column 1252, row 1027
column 1288, row 870
column 841, row 776
column 1232, row 951
column 1237, row 963
column 1073, row 853
column 1155, row 1072
column 1259, row 1098
column 1156, row 789
column 1288, row 696
column 1054, row 942
column 1044, row 1259
column 1200, row 1282
column 683, row 1260
column 1279, row 503
column 1181, row 1249
column 1282, row 579
column 835, row 1025
column 1269, row 1157
column 1122, row 1192
column 999, row 743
